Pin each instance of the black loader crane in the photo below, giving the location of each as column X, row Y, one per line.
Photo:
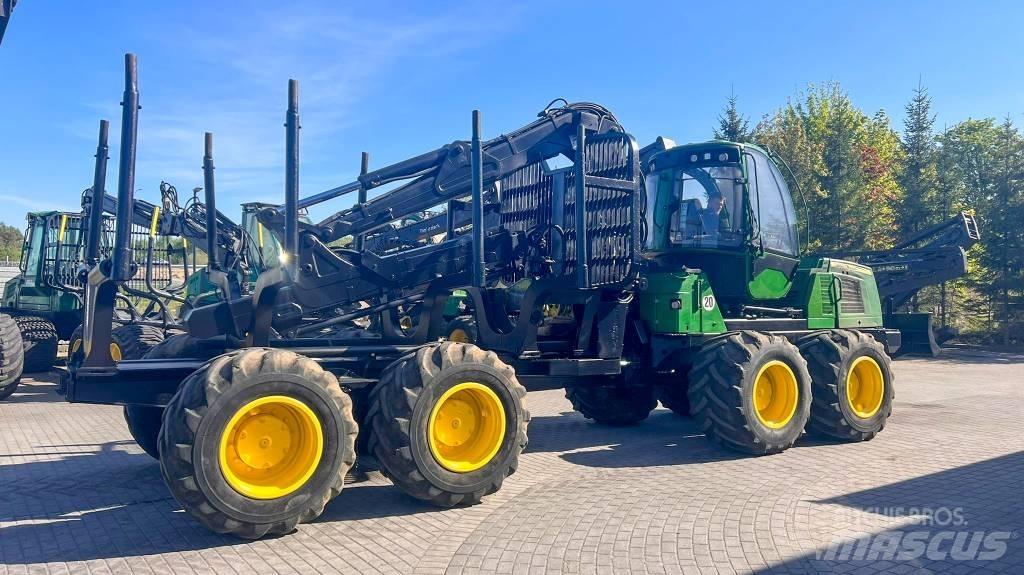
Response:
column 6, row 9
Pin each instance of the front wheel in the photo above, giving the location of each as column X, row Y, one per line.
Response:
column 673, row 393
column 12, row 356
column 257, row 441
column 144, row 421
column 750, row 391
column 616, row 403
column 447, row 423
column 40, row 342
column 133, row 341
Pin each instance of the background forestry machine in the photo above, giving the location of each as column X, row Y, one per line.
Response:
column 45, row 299
column 929, row 257
column 582, row 281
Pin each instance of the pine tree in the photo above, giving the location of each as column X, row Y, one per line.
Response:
column 920, row 180
column 731, row 125
column 1006, row 216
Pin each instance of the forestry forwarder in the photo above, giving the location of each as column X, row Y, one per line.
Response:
column 259, row 438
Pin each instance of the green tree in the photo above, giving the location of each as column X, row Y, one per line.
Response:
column 732, row 126
column 982, row 167
column 784, row 134
column 1004, row 254
column 11, row 241
column 921, row 205
column 844, row 161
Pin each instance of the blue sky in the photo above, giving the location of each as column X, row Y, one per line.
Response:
column 397, row 79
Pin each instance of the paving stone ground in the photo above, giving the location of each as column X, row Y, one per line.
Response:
column 939, row 491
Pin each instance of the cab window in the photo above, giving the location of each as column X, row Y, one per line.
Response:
column 771, row 205
column 695, row 207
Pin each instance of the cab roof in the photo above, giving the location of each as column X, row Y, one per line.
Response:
column 698, row 154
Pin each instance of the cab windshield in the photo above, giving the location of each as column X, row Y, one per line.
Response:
column 721, row 206
column 695, row 208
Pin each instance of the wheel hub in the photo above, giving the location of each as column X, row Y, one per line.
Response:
column 466, row 427
column 775, row 394
column 271, row 447
column 865, row 387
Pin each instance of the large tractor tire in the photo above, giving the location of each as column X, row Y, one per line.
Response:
column 134, row 341
column 853, row 384
column 75, row 344
column 673, row 393
column 40, row 338
column 462, row 330
column 447, row 423
column 12, row 356
column 257, row 441
column 144, row 421
column 750, row 392
column 615, row 403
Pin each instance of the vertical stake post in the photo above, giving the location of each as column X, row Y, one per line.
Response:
column 213, row 258
column 122, row 256
column 99, row 184
column 364, row 168
column 291, row 177
column 479, row 279
column 582, row 268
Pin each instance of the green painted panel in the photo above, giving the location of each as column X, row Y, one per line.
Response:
column 680, row 302
column 769, row 284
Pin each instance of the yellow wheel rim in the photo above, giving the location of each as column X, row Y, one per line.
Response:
column 459, row 335
column 466, row 427
column 865, row 387
column 775, row 394
column 75, row 344
column 271, row 447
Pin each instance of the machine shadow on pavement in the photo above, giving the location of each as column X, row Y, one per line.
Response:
column 979, row 498
column 663, row 439
column 36, row 388
column 113, row 503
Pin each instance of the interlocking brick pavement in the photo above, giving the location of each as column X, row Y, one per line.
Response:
column 77, row 496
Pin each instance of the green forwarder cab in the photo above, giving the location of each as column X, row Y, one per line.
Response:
column 731, row 324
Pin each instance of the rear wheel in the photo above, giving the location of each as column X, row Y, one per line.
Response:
column 257, row 441
column 144, row 421
column 462, row 330
column 751, row 392
column 134, row 341
column 614, row 404
column 673, row 393
column 40, row 342
column 447, row 423
column 76, row 349
column 12, row 356
column 853, row 384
